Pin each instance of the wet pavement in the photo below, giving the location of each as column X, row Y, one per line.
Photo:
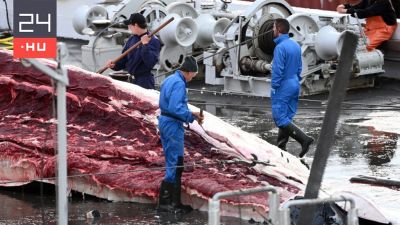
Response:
column 29, row 207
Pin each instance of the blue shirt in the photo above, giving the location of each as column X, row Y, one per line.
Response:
column 287, row 61
column 141, row 60
column 173, row 98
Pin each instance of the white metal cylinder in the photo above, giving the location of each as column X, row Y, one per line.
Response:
column 369, row 61
column 328, row 43
column 206, row 24
column 285, row 216
column 181, row 31
column 219, row 28
column 352, row 217
column 274, row 201
column 85, row 15
column 213, row 212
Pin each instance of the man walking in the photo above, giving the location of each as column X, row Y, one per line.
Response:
column 285, row 82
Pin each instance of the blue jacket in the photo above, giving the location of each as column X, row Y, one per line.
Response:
column 141, row 60
column 173, row 99
column 285, row 86
column 287, row 61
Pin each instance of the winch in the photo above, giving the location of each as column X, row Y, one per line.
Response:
column 234, row 38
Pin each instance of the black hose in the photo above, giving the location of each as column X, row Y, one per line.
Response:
column 8, row 20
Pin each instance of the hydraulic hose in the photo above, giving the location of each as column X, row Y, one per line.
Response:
column 7, row 43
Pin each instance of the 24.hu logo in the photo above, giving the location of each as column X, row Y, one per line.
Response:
column 35, row 34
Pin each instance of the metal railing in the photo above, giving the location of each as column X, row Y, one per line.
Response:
column 278, row 215
column 352, row 218
column 214, row 203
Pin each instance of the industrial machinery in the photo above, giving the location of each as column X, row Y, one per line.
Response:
column 233, row 40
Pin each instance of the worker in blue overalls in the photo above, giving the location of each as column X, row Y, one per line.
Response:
column 174, row 113
column 141, row 60
column 285, row 87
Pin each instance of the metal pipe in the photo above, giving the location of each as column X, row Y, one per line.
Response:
column 238, row 47
column 214, row 203
column 224, row 15
column 352, row 218
column 62, row 200
column 62, row 203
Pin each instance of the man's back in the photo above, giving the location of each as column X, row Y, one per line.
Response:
column 287, row 61
column 171, row 84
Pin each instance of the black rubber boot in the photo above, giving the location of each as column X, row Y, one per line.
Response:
column 178, row 188
column 297, row 134
column 283, row 138
column 165, row 203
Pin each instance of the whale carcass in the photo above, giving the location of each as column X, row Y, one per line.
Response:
column 114, row 151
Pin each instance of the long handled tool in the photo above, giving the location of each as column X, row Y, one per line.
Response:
column 201, row 124
column 137, row 44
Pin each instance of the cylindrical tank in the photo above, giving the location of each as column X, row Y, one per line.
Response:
column 181, row 31
column 369, row 61
column 328, row 43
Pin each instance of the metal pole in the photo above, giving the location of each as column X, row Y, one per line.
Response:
column 237, row 69
column 325, row 140
column 214, row 203
column 62, row 201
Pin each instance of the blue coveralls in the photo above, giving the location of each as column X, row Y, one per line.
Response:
column 286, row 71
column 174, row 112
column 140, row 61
